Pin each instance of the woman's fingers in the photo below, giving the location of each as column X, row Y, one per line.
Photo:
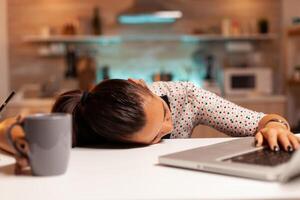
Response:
column 294, row 140
column 22, row 161
column 271, row 135
column 277, row 135
column 133, row 80
column 284, row 140
column 142, row 82
column 259, row 138
column 22, row 166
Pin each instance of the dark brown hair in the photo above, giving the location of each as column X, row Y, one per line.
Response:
column 111, row 111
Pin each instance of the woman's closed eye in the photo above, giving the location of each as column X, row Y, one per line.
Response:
column 165, row 113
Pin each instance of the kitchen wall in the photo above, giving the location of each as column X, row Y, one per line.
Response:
column 28, row 17
column 291, row 9
column 3, row 51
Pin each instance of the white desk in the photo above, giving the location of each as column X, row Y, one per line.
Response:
column 134, row 174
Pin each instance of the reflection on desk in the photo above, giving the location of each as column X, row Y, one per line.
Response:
column 133, row 173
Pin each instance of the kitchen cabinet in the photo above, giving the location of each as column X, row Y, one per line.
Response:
column 292, row 62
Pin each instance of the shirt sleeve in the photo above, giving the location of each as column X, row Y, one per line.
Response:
column 209, row 109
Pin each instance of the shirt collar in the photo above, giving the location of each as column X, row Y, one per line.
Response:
column 166, row 99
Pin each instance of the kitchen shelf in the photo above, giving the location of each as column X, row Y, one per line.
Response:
column 221, row 38
column 72, row 39
column 292, row 85
column 111, row 39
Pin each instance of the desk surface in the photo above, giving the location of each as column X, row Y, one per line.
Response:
column 134, row 174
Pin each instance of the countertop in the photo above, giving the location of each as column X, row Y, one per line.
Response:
column 134, row 173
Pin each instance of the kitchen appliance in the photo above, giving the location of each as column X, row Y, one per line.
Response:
column 149, row 12
column 248, row 81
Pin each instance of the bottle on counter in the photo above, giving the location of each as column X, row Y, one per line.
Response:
column 226, row 27
column 71, row 62
column 296, row 74
column 235, row 28
column 263, row 26
column 209, row 68
column 96, row 22
column 86, row 73
column 105, row 72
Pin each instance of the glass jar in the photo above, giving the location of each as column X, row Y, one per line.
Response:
column 296, row 75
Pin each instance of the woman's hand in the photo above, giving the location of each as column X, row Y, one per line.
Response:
column 22, row 164
column 138, row 81
column 17, row 133
column 277, row 135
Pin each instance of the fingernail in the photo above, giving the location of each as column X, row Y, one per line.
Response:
column 290, row 149
column 275, row 148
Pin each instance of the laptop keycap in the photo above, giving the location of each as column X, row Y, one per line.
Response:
column 263, row 157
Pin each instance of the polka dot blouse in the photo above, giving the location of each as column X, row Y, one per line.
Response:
column 191, row 105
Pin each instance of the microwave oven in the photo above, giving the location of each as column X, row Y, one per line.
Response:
column 248, row 81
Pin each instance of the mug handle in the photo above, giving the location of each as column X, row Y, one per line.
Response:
column 20, row 145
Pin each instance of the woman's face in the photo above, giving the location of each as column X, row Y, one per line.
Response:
column 158, row 121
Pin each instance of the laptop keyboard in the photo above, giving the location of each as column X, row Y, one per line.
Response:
column 263, row 157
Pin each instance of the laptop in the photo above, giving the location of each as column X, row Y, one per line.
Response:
column 238, row 157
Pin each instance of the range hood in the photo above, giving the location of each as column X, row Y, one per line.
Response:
column 148, row 12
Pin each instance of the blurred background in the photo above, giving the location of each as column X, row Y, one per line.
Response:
column 244, row 50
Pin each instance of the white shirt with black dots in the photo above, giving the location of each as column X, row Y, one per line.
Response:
column 191, row 105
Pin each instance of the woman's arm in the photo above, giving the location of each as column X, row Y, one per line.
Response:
column 234, row 120
column 209, row 109
column 17, row 133
column 214, row 111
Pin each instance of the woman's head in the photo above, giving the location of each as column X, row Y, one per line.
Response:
column 115, row 110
